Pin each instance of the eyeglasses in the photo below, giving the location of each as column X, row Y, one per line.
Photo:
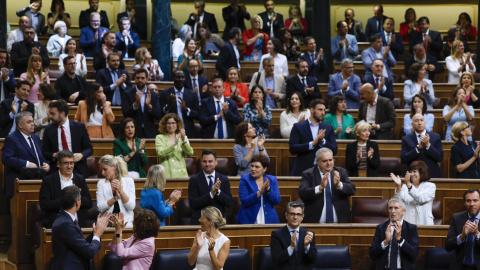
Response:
column 71, row 64
column 68, row 163
column 295, row 214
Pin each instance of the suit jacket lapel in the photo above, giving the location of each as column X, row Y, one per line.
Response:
column 73, row 135
column 57, row 185
column 378, row 111
column 27, row 145
column 317, row 176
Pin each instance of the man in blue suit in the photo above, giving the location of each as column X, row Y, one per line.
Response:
column 310, row 135
column 7, row 79
column 70, row 249
column 343, row 45
column 383, row 85
column 377, row 51
column 391, row 39
column 375, row 23
column 21, row 150
column 64, row 134
column 208, row 188
column 292, row 246
column 229, row 55
column 113, row 79
column 317, row 64
column 10, row 107
column 422, row 145
column 301, row 83
column 91, row 37
column 181, row 101
column 198, row 83
column 346, row 83
column 127, row 41
column 218, row 114
column 142, row 105
column 395, row 236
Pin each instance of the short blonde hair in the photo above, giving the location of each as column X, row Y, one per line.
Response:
column 121, row 169
column 457, row 129
column 360, row 126
column 156, row 178
column 259, row 19
column 212, row 213
column 469, row 75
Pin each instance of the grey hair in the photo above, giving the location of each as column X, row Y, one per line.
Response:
column 295, row 204
column 321, row 150
column 417, row 47
column 346, row 61
column 202, row 2
column 182, row 33
column 397, row 199
column 64, row 154
column 95, row 13
column 20, row 116
column 267, row 59
column 58, row 25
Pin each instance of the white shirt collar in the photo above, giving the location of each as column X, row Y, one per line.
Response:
column 301, row 78
column 212, row 174
column 73, row 217
column 194, row 77
column 66, row 124
column 222, row 99
column 422, row 134
column 290, row 229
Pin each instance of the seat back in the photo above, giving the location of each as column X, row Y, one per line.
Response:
column 390, row 165
column 437, row 212
column 238, row 259
column 172, row 260
column 191, row 166
column 333, row 257
column 397, row 103
column 36, row 217
column 227, row 166
column 265, row 259
column 91, row 214
column 112, row 262
column 92, row 167
column 184, row 213
column 438, row 259
column 369, row 210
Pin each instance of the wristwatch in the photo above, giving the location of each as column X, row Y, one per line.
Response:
column 118, row 235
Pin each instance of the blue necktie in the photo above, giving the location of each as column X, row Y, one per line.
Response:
column 116, row 94
column 328, row 202
column 76, row 224
column 393, row 252
column 303, row 82
column 469, row 247
column 210, row 182
column 219, row 122
column 296, row 240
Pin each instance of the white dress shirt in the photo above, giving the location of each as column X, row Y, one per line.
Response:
column 64, row 182
column 371, row 112
column 323, row 217
column 66, row 129
column 281, row 64
column 208, row 182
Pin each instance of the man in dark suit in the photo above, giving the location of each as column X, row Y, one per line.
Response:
column 272, row 21
column 208, row 188
column 234, row 16
column 22, row 50
column 100, row 56
column 305, row 85
column 395, row 244
column 380, row 111
column 383, row 85
column 325, row 189
column 199, row 16
column 51, row 190
column 142, row 105
column 218, row 114
column 463, row 235
column 198, row 83
column 375, row 23
column 127, row 41
column 132, row 15
column 181, row 101
column 422, row 145
column 431, row 40
column 84, row 19
column 229, row 55
column 420, row 56
column 317, row 64
column 71, row 87
column 391, row 39
column 70, row 249
column 21, row 149
column 91, row 36
column 292, row 246
column 113, row 80
column 7, row 79
column 10, row 107
column 354, row 27
column 32, row 11
column 72, row 136
column 310, row 135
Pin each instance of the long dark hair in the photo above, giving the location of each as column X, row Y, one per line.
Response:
column 252, row 102
column 91, row 99
column 121, row 128
column 334, row 104
column 289, row 106
column 424, row 108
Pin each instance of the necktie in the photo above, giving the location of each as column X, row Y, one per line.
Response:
column 328, row 202
column 379, row 26
column 116, row 94
column 64, row 139
column 393, row 252
column 296, row 240
column 76, row 224
column 376, row 83
column 179, row 108
column 426, row 42
column 312, row 57
column 34, row 150
column 219, row 122
column 195, row 83
column 469, row 247
column 303, row 82
column 388, row 39
column 210, row 182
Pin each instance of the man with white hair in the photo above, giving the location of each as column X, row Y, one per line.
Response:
column 395, row 244
column 325, row 189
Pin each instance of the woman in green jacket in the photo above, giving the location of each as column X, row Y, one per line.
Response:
column 341, row 121
column 131, row 148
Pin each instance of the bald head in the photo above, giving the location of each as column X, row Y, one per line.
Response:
column 418, row 123
column 367, row 93
column 23, row 21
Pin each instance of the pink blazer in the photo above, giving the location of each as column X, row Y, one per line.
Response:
column 139, row 256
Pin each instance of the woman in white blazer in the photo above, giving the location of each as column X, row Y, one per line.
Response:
column 417, row 193
column 458, row 62
column 56, row 43
column 417, row 84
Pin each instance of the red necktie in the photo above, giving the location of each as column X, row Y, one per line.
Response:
column 64, row 140
column 426, row 42
column 376, row 83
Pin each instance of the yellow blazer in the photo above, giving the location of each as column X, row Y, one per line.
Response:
column 173, row 158
column 81, row 116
